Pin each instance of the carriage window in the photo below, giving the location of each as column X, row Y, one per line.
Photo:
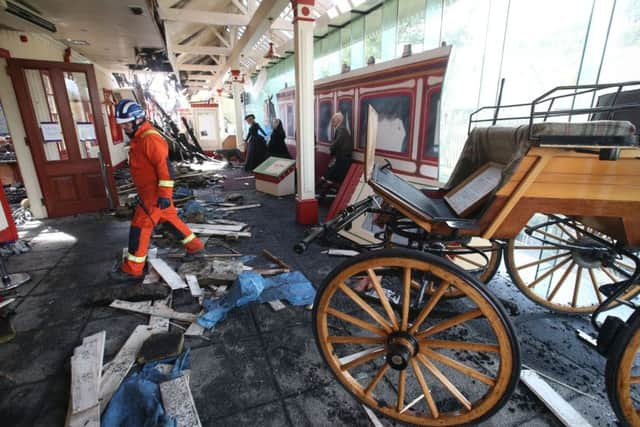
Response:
column 324, row 121
column 290, row 124
column 394, row 118
column 431, row 146
column 345, row 106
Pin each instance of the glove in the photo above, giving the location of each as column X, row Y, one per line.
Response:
column 164, row 203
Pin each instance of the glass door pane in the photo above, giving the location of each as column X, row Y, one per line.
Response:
column 80, row 104
column 44, row 106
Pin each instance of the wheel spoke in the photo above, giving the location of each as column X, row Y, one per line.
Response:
column 548, row 273
column 430, row 305
column 383, row 298
column 401, row 383
column 458, row 366
column 449, row 323
column 372, row 385
column 595, row 285
column 540, row 261
column 611, row 276
column 558, row 285
column 357, row 359
column 541, row 247
column 425, row 389
column 445, row 381
column 634, row 380
column 462, row 345
column 547, row 234
column 470, row 261
column 347, row 339
column 366, row 307
column 561, row 227
column 576, row 287
column 406, row 296
column 355, row 321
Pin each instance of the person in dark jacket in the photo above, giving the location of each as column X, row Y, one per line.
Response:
column 341, row 151
column 256, row 144
column 277, row 145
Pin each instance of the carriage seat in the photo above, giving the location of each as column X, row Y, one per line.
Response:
column 594, row 134
column 405, row 194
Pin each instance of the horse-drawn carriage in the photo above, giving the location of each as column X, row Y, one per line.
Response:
column 413, row 318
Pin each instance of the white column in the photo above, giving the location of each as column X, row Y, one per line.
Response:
column 303, row 23
column 237, row 87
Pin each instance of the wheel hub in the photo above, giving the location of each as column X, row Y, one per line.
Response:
column 401, row 347
column 587, row 258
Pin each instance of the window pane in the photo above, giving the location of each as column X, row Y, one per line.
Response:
column 410, row 25
column 373, row 37
column 345, row 45
column 622, row 58
column 80, row 104
column 357, row 43
column 389, row 24
column 48, row 121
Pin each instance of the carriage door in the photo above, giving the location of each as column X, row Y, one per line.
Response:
column 65, row 131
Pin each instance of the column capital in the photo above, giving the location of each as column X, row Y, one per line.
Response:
column 302, row 10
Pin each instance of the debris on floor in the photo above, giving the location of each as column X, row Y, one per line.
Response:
column 161, row 346
column 251, row 286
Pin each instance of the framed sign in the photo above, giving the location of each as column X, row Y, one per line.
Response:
column 467, row 196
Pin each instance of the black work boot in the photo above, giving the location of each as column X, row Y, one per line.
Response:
column 119, row 276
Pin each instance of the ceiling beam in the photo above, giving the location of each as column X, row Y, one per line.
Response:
column 199, row 67
column 258, row 25
column 216, row 18
column 200, row 50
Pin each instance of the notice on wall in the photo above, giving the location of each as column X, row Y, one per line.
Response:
column 51, row 131
column 86, row 131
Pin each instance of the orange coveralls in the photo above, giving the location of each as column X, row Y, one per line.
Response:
column 150, row 170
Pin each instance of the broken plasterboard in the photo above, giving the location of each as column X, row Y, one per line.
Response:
column 116, row 370
column 194, row 287
column 552, row 399
column 86, row 372
column 178, row 402
column 155, row 310
column 168, row 275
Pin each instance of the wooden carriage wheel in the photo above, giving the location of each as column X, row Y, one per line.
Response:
column 622, row 374
column 441, row 362
column 565, row 280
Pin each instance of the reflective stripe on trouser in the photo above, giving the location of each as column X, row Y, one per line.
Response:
column 142, row 226
column 165, row 183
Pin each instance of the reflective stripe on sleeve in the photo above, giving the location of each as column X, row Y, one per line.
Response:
column 138, row 259
column 165, row 183
column 189, row 238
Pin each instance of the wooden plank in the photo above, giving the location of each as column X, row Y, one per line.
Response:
column 194, row 330
column 160, row 324
column 119, row 367
column 517, row 194
column 168, row 275
column 178, row 402
column 155, row 310
column 565, row 413
column 237, row 208
column 197, row 228
column 223, row 233
column 6, row 302
column 587, row 338
column 194, row 287
column 341, row 252
column 87, row 418
column 375, row 421
column 277, row 260
column 276, row 305
column 226, row 222
column 86, row 372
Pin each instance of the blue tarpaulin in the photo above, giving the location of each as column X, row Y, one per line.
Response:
column 250, row 286
column 137, row 402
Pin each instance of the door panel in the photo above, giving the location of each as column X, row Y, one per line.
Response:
column 57, row 102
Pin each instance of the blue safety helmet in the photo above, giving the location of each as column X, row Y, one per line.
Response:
column 127, row 111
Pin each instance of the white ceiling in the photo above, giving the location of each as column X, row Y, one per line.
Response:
column 109, row 27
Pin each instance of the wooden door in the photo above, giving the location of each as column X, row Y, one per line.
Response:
column 65, row 130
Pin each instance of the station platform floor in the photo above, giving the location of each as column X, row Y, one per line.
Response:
column 259, row 367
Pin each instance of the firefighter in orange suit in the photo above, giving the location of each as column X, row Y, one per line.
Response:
column 151, row 173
